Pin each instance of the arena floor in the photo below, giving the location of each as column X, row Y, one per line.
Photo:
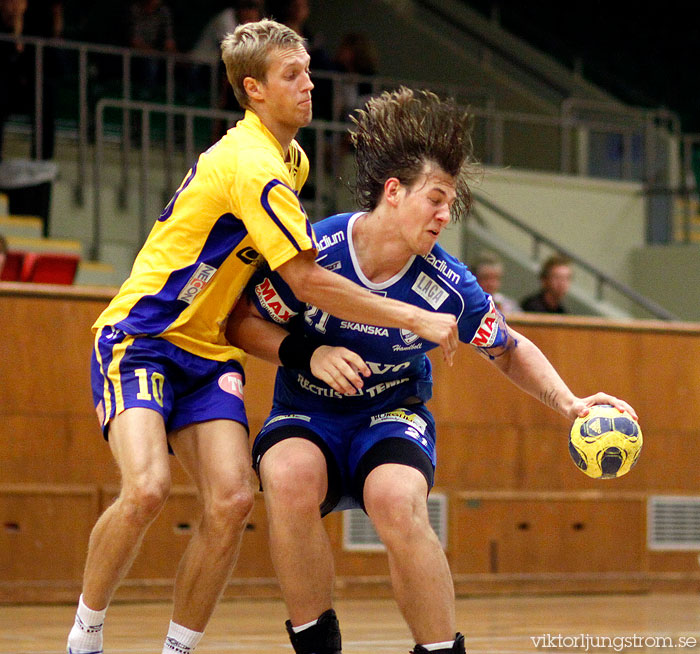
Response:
column 493, row 625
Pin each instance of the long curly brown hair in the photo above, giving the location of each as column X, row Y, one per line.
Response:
column 399, row 132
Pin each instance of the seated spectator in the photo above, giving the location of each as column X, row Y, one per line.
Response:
column 488, row 270
column 555, row 280
column 150, row 30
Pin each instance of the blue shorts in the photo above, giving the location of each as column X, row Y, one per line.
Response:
column 140, row 371
column 354, row 445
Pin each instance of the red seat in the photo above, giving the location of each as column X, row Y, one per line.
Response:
column 49, row 268
column 12, row 270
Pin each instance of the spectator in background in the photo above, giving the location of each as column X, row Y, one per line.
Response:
column 555, row 280
column 44, row 18
column 14, row 81
column 488, row 270
column 208, row 45
column 356, row 54
column 150, row 30
column 246, row 11
column 295, row 14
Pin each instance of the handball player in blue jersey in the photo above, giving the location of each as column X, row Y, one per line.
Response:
column 349, row 426
column 163, row 374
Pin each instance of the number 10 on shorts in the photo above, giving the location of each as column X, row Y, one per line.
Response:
column 157, row 381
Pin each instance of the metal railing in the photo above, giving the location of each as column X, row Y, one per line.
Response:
column 602, row 280
column 500, row 129
column 323, row 141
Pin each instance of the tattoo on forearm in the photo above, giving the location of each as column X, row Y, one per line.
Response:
column 548, row 397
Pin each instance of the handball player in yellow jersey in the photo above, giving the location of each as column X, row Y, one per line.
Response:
column 163, row 375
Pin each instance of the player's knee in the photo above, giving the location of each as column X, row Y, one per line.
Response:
column 143, row 500
column 295, row 487
column 395, row 515
column 229, row 509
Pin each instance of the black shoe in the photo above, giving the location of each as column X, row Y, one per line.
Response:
column 322, row 638
column 457, row 648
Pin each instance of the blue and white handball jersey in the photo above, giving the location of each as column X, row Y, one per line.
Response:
column 401, row 370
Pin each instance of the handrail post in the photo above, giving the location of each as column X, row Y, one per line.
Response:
column 83, row 119
column 38, row 101
column 126, row 131
column 97, row 165
column 143, row 195
column 169, row 127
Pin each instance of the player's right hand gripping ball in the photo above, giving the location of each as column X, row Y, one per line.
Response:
column 606, row 443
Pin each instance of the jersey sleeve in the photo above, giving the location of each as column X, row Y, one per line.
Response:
column 480, row 324
column 273, row 298
column 271, row 209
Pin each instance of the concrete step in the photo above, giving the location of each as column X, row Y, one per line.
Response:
column 96, row 273
column 39, row 244
column 25, row 226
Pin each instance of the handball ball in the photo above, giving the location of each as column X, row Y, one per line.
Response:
column 606, row 443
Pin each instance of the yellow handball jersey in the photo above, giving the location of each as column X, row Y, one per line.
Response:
column 238, row 203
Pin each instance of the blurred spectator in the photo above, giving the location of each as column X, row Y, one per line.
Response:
column 44, row 18
column 3, row 252
column 14, row 80
column 488, row 270
column 247, row 11
column 356, row 54
column 295, row 14
column 150, row 30
column 555, row 280
column 208, row 45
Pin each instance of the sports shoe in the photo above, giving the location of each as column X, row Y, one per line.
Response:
column 70, row 651
column 457, row 648
column 322, row 638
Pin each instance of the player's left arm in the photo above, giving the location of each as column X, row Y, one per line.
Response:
column 340, row 368
column 519, row 359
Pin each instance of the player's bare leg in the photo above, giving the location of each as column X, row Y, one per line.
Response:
column 216, row 456
column 138, row 443
column 295, row 482
column 137, row 440
column 395, row 499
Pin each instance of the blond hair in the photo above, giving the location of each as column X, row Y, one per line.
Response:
column 399, row 132
column 245, row 52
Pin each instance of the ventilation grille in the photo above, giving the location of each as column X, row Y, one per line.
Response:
column 673, row 522
column 359, row 533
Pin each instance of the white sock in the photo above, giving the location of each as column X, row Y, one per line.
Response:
column 181, row 640
column 306, row 625
column 86, row 635
column 446, row 644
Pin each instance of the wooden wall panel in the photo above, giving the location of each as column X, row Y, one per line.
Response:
column 550, row 533
column 44, row 531
column 491, row 437
column 471, row 456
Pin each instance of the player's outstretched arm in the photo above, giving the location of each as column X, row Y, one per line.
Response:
column 531, row 371
column 338, row 367
column 342, row 298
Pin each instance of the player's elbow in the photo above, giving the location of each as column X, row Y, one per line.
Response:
column 306, row 278
column 311, row 286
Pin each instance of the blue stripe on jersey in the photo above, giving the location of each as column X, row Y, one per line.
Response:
column 167, row 212
column 266, row 205
column 153, row 314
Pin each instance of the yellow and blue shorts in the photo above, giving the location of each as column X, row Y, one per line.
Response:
column 141, row 371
